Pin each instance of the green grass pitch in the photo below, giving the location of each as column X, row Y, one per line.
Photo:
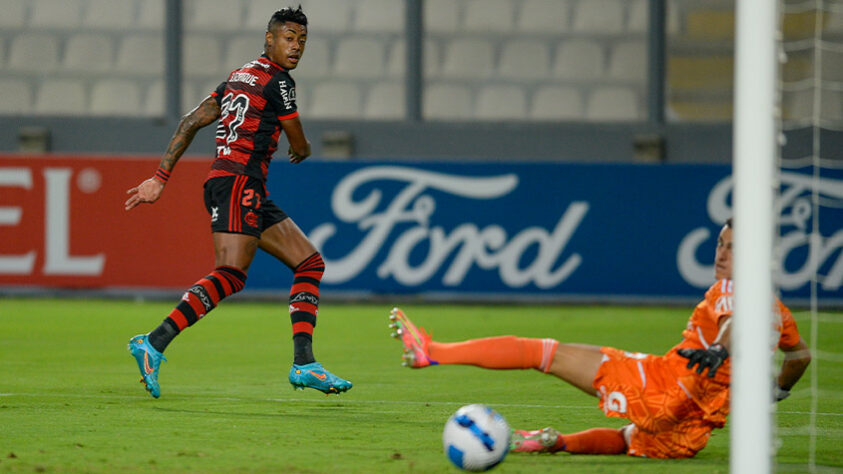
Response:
column 70, row 400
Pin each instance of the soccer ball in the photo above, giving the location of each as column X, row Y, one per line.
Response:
column 476, row 438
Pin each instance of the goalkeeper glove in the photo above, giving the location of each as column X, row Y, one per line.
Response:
column 712, row 358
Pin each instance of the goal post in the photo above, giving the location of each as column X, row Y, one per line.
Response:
column 754, row 165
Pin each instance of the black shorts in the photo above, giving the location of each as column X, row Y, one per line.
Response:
column 238, row 205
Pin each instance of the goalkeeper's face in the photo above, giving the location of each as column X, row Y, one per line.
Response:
column 285, row 44
column 723, row 254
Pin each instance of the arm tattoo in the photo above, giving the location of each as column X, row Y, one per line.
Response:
column 203, row 115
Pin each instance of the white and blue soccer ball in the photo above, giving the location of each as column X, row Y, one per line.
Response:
column 476, row 438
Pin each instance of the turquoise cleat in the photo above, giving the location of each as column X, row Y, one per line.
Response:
column 315, row 376
column 148, row 359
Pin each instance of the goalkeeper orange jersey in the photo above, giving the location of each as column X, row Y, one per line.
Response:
column 674, row 408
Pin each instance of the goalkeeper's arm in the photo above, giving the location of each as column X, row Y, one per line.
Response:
column 796, row 360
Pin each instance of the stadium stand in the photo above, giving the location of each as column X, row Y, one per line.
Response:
column 612, row 104
column 335, row 99
column 116, row 97
column 524, row 59
column 17, row 97
column 468, row 58
column 557, row 103
column 501, row 102
column 88, row 52
column 385, row 100
column 544, row 17
column 360, row 58
column 444, row 101
column 14, row 13
column 141, row 54
column 61, row 97
column 379, row 16
column 33, row 52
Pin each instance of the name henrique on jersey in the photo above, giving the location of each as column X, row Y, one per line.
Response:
column 253, row 102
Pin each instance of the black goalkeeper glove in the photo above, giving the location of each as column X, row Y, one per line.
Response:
column 713, row 358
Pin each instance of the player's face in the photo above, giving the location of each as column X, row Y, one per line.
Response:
column 285, row 44
column 723, row 255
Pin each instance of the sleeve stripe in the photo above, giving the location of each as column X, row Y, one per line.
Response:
column 289, row 116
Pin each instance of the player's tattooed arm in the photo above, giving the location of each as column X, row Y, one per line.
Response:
column 203, row 115
column 150, row 190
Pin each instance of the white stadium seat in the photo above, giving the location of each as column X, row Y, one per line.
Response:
column 544, row 16
column 240, row 50
column 327, row 16
column 33, row 52
column 118, row 97
column 61, row 97
column 14, row 13
column 468, row 58
column 88, row 52
column 579, row 59
column 141, row 54
column 638, row 20
column 446, row 102
column 201, row 56
column 17, row 97
column 151, row 14
column 340, row 100
column 360, row 58
column 501, row 102
column 385, row 100
column 396, row 64
column 64, row 14
column 155, row 98
column 612, row 104
column 524, row 59
column 628, row 61
column 258, row 13
column 557, row 103
column 316, row 62
column 110, row 14
column 379, row 16
column 599, row 16
column 485, row 16
column 213, row 15
column 441, row 16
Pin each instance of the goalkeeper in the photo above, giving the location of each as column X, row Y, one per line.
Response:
column 673, row 401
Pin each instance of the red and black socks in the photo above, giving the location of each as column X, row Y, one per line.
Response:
column 304, row 304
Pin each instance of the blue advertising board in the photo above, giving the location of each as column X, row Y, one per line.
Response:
column 533, row 230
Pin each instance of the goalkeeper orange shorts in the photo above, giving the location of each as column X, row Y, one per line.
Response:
column 641, row 388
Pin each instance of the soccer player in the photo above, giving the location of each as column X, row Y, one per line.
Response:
column 254, row 105
column 673, row 401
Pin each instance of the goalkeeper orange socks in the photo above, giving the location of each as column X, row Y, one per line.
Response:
column 593, row 441
column 505, row 352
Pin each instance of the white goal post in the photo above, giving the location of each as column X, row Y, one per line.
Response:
column 754, row 164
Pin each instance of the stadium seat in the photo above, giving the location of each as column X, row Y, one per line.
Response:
column 385, row 100
column 151, row 14
column 61, row 96
column 17, row 97
column 484, row 16
column 14, row 13
column 579, row 59
column 612, row 104
column 557, row 103
column 33, row 52
column 604, row 17
column 316, row 62
column 501, row 102
column 258, row 13
column 327, row 16
column 524, row 59
column 141, row 54
column 109, row 15
column 201, row 56
column 242, row 49
column 638, row 20
column 66, row 14
column 213, row 15
column 468, row 58
column 338, row 100
column 360, row 58
column 117, row 97
column 88, row 52
column 628, row 61
column 379, row 16
column 441, row 16
column 155, row 98
column 544, row 17
column 446, row 102
column 396, row 64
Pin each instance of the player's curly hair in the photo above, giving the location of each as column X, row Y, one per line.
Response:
column 287, row 14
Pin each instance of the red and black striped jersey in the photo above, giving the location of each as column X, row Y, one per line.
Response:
column 253, row 102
